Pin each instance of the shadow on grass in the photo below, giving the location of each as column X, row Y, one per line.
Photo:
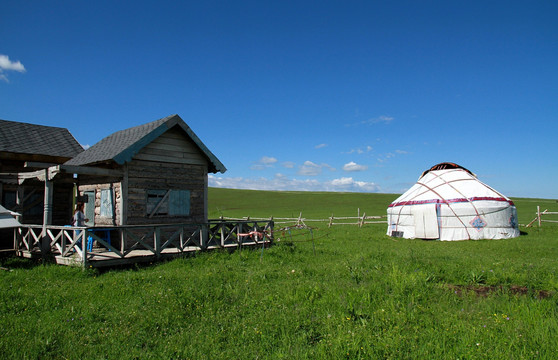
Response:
column 9, row 262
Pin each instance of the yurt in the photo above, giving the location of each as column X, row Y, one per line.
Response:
column 449, row 203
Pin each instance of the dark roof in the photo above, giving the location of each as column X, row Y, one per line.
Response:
column 23, row 138
column 121, row 146
column 445, row 166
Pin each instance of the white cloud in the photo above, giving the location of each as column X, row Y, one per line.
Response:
column 288, row 164
column 311, row 169
column 360, row 150
column 264, row 162
column 352, row 166
column 320, row 146
column 349, row 184
column 380, row 119
column 7, row 65
column 281, row 182
column 376, row 120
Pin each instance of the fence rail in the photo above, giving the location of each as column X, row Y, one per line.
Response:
column 73, row 245
column 331, row 221
column 539, row 219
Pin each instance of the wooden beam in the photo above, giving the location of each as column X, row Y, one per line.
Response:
column 38, row 164
column 84, row 170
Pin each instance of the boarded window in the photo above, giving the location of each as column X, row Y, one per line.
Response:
column 168, row 203
column 179, row 202
column 106, row 203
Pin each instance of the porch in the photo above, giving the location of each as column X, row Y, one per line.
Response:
column 128, row 244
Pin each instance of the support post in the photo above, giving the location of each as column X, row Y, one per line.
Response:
column 47, row 214
column 539, row 214
column 204, row 233
column 19, row 202
column 124, row 197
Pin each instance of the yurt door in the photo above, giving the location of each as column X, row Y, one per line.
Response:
column 426, row 221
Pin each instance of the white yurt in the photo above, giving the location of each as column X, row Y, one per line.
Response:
column 449, row 203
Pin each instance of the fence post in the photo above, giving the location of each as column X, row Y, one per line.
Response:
column 222, row 231
column 539, row 214
column 85, row 235
column 330, row 221
column 157, row 241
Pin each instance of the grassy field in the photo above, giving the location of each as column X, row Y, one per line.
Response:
column 350, row 293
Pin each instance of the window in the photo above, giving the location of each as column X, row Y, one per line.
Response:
column 179, row 202
column 156, row 202
column 33, row 204
column 106, row 203
column 168, row 203
column 9, row 201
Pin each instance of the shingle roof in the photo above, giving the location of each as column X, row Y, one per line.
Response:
column 122, row 145
column 23, row 138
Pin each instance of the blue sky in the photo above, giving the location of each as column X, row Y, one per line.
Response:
column 302, row 95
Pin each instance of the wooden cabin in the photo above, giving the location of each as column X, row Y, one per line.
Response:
column 154, row 173
column 23, row 149
column 145, row 191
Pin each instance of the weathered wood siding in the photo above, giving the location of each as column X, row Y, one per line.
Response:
column 171, row 162
column 172, row 147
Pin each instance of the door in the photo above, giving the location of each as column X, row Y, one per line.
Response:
column 426, row 221
column 90, row 208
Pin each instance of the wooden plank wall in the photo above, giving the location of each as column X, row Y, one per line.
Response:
column 172, row 147
column 170, row 162
column 144, row 175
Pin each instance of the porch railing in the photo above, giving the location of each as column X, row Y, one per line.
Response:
column 72, row 244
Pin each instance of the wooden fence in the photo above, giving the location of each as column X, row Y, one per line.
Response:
column 331, row 221
column 72, row 245
column 539, row 219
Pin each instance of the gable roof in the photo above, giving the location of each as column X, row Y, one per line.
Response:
column 123, row 145
column 23, row 138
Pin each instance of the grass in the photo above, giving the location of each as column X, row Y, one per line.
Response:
column 351, row 293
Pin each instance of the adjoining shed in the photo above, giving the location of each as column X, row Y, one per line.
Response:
column 156, row 173
column 449, row 203
column 27, row 147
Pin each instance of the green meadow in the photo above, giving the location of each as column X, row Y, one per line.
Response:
column 336, row 293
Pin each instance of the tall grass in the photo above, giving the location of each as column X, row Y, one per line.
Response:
column 350, row 293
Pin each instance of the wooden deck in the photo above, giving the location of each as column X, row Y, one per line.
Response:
column 119, row 245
